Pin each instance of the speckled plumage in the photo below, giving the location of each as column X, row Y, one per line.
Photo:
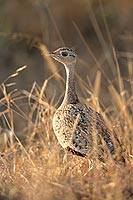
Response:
column 77, row 126
column 74, row 126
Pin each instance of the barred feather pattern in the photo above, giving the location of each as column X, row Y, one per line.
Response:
column 77, row 126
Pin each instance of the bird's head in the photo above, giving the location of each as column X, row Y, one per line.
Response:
column 65, row 55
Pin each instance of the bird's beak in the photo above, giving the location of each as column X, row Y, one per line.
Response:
column 51, row 53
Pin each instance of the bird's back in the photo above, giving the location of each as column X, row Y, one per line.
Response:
column 78, row 127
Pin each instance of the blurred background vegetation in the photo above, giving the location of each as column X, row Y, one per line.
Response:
column 92, row 27
column 31, row 160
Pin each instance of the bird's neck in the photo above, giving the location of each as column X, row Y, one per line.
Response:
column 70, row 93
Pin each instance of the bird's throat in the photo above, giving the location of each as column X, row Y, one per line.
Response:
column 70, row 93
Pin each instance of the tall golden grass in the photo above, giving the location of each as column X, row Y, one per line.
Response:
column 31, row 160
column 31, row 166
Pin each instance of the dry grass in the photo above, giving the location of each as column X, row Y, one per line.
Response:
column 32, row 167
column 31, row 160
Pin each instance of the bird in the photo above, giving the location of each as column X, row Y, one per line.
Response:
column 77, row 126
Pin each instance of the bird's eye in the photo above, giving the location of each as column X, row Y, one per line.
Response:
column 64, row 54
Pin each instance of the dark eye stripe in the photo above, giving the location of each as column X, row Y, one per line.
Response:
column 72, row 56
column 67, row 49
